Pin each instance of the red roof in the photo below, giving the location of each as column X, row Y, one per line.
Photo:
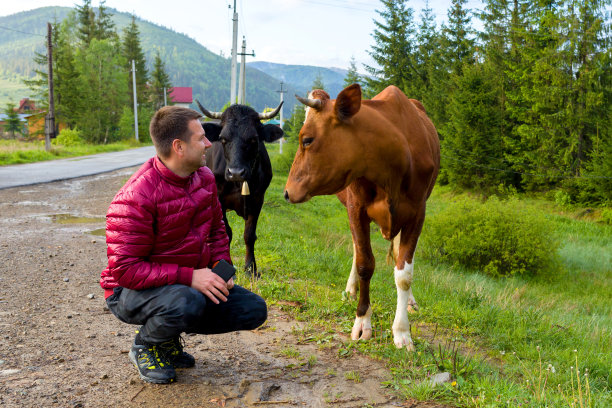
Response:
column 181, row 94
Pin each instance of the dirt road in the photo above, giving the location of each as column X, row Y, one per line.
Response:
column 61, row 347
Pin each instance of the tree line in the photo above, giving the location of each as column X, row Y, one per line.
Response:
column 524, row 104
column 92, row 73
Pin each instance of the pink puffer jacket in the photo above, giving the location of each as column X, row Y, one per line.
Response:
column 161, row 226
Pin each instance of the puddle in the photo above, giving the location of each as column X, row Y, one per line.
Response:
column 72, row 219
column 101, row 232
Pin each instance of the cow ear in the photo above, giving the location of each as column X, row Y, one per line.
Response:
column 271, row 133
column 348, row 102
column 212, row 131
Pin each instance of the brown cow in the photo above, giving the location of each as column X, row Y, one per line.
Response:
column 381, row 158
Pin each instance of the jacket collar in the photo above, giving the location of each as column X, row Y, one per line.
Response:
column 169, row 175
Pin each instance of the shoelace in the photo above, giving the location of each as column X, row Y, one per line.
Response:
column 151, row 365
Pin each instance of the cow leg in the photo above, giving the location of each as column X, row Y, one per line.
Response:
column 352, row 285
column 404, row 271
column 228, row 229
column 250, row 237
column 364, row 265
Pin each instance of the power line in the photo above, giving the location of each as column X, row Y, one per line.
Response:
column 22, row 32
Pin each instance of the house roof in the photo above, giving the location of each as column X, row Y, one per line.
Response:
column 181, row 94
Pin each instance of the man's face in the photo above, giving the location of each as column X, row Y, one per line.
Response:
column 194, row 150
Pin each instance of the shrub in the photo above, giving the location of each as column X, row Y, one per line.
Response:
column 68, row 137
column 498, row 237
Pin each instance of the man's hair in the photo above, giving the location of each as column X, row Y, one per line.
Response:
column 169, row 123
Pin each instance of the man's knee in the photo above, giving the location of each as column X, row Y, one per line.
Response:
column 257, row 313
column 186, row 304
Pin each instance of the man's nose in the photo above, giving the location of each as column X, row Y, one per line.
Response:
column 207, row 143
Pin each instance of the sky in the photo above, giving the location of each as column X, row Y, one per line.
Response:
column 303, row 32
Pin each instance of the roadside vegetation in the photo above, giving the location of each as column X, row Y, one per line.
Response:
column 538, row 337
column 21, row 151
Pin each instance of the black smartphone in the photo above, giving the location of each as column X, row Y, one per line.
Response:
column 224, row 269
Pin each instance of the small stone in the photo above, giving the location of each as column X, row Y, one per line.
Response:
column 91, row 296
column 9, row 371
column 94, row 383
column 69, row 317
column 132, row 381
column 66, row 280
column 93, row 241
column 46, row 270
column 440, row 378
column 104, row 376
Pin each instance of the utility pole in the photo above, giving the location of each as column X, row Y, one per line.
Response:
column 50, row 117
column 281, row 92
column 135, row 101
column 242, row 87
column 165, row 99
column 234, row 57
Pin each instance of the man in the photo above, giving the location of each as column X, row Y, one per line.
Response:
column 164, row 233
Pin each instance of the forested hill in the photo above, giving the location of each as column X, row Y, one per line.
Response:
column 187, row 62
column 302, row 76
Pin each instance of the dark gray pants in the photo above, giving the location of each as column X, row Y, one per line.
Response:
column 168, row 311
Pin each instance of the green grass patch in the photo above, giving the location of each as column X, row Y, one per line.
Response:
column 506, row 340
column 18, row 152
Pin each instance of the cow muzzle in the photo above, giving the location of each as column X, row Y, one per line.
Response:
column 294, row 198
column 235, row 174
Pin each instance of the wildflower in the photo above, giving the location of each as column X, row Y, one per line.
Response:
column 551, row 368
column 454, row 383
column 502, row 352
column 538, row 348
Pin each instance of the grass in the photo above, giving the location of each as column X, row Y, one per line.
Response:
column 506, row 332
column 18, row 152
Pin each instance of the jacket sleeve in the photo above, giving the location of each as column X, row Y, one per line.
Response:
column 218, row 241
column 129, row 238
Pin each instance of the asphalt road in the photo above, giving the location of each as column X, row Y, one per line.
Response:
column 63, row 169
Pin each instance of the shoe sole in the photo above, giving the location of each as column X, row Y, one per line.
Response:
column 145, row 378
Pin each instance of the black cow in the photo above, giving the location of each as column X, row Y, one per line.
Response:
column 238, row 156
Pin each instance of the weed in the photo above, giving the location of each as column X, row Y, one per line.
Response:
column 290, row 352
column 312, row 360
column 352, row 376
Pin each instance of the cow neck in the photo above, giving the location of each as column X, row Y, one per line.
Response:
column 169, row 175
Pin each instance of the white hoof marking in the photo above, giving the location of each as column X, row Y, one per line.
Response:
column 362, row 328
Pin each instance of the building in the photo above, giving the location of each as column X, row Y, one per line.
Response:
column 181, row 96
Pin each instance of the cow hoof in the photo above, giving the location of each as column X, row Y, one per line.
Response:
column 362, row 328
column 252, row 271
column 403, row 339
column 349, row 295
column 412, row 307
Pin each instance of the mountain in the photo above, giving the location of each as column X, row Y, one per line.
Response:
column 187, row 62
column 302, row 76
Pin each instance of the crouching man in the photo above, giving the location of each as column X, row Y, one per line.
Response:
column 164, row 233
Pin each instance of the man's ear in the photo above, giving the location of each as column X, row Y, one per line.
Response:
column 177, row 147
column 212, row 131
column 271, row 133
column 348, row 102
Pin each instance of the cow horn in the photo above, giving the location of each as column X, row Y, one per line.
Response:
column 272, row 114
column 313, row 103
column 212, row 115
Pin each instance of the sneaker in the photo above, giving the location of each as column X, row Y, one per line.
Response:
column 152, row 364
column 173, row 350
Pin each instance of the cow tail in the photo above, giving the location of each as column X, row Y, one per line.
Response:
column 390, row 255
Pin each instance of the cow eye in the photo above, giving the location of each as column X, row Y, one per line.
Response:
column 307, row 141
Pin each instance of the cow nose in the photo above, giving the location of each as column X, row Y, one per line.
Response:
column 286, row 196
column 233, row 174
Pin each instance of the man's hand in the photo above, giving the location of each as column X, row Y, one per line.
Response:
column 211, row 285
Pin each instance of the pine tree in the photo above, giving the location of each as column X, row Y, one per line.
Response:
column 13, row 123
column 160, row 82
column 86, row 23
column 352, row 76
column 132, row 50
column 458, row 34
column 104, row 25
column 393, row 49
column 103, row 90
column 318, row 82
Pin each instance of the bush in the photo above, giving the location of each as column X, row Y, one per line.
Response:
column 68, row 137
column 498, row 237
